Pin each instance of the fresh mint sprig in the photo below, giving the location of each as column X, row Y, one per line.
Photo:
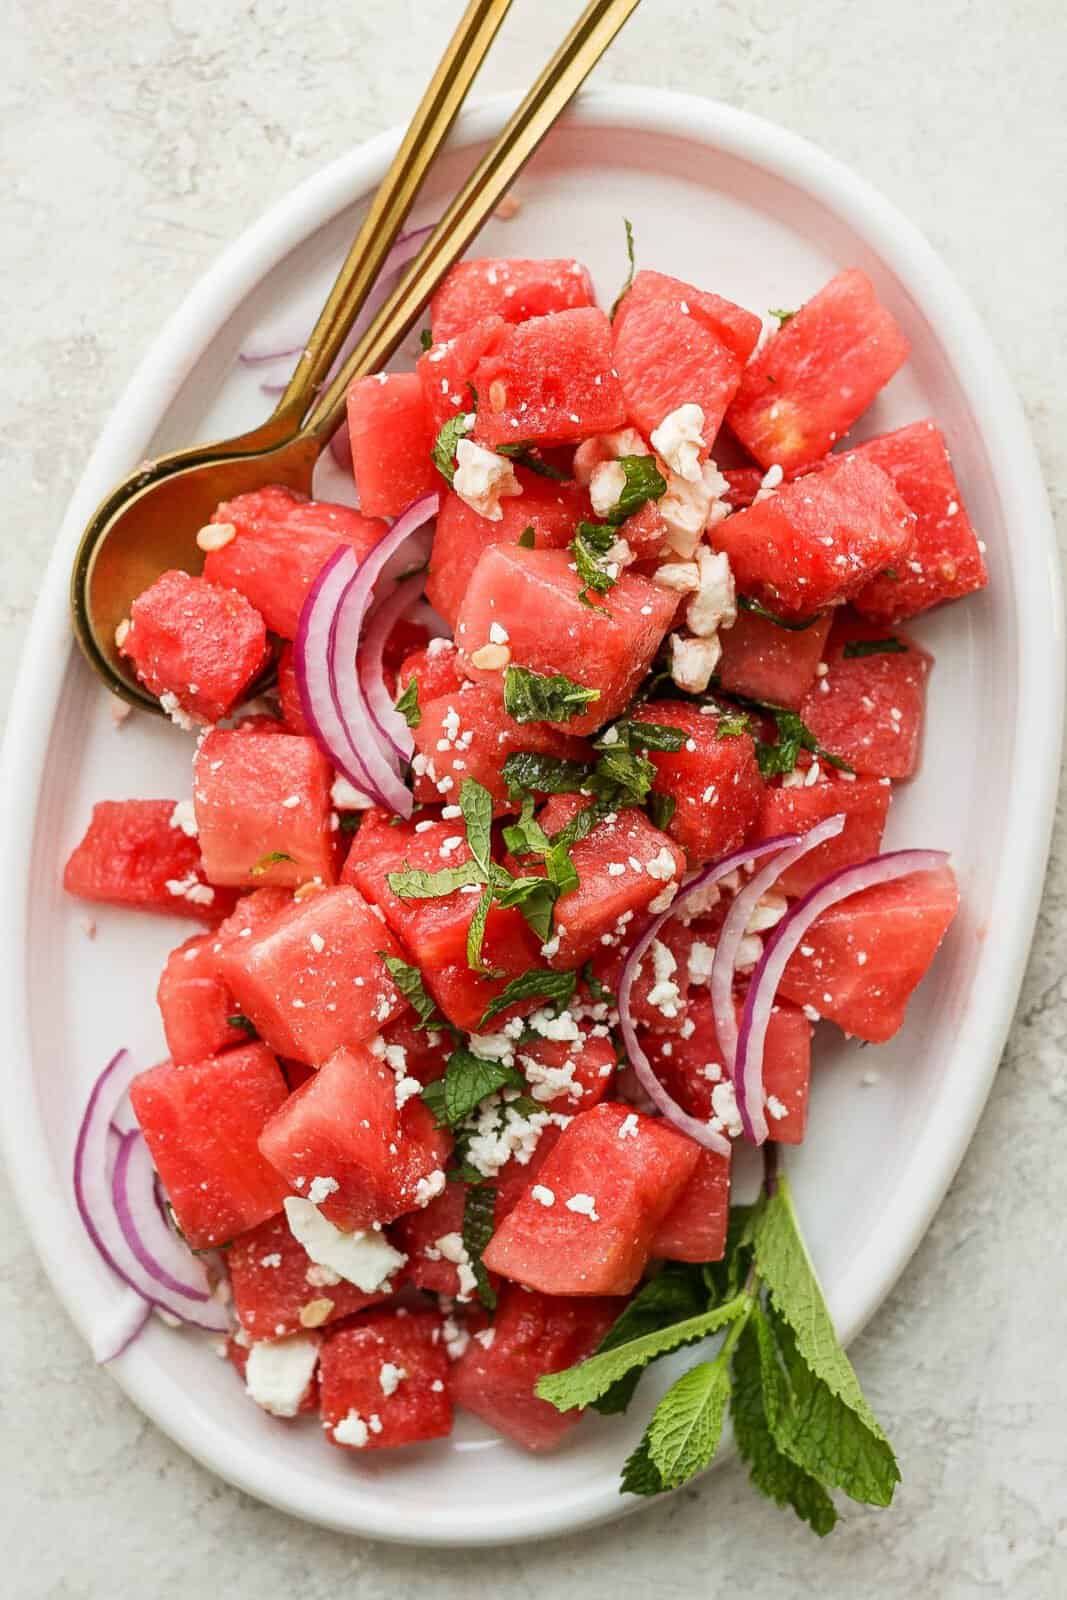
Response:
column 544, row 697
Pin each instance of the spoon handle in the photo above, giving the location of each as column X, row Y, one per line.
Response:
column 559, row 81
column 427, row 132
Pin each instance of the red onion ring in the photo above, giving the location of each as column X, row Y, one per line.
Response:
column 724, row 968
column 154, row 1243
column 671, row 1110
column 311, row 660
column 782, row 942
column 386, row 718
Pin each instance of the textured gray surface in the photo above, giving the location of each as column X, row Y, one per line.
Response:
column 139, row 137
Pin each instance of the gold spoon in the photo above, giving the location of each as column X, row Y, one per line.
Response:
column 148, row 524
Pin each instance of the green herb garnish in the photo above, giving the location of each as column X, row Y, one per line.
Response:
column 794, row 735
column 467, row 1081
column 478, row 1226
column 426, row 339
column 782, row 316
column 527, row 538
column 624, row 291
column 443, row 453
column 890, row 646
column 246, row 1025
column 758, row 609
column 661, row 809
column 555, row 988
column 590, row 545
column 527, row 455
column 408, row 704
column 265, row 863
column 539, row 697
column 408, row 980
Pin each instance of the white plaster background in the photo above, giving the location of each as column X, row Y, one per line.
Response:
column 137, row 139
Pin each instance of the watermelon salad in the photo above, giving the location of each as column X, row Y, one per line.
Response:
column 534, row 839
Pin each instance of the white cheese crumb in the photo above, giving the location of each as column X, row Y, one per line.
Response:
column 173, row 708
column 351, row 1430
column 724, row 1107
column 484, row 478
column 692, row 661
column 628, row 1127
column 543, row 1195
column 184, row 817
column 366, row 1259
column 277, row 1373
column 498, row 634
column 190, row 888
column 679, row 439
column 584, row 1205
column 714, row 605
column 662, row 866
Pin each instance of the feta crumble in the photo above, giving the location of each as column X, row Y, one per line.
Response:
column 366, row 1259
column 278, row 1372
column 483, row 479
column 679, row 439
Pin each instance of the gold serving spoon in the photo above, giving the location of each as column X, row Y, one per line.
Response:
column 149, row 523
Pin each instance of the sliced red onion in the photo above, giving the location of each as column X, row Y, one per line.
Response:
column 702, row 1132
column 386, row 718
column 113, row 1336
column 155, row 1244
column 781, row 943
column 94, row 1200
column 327, row 645
column 724, row 968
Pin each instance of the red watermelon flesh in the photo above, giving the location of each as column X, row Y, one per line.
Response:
column 763, row 661
column 794, row 809
column 426, row 1050
column 134, row 855
column 694, row 1229
column 533, row 595
column 478, row 735
column 568, row 1076
column 861, row 960
column 195, row 1003
column 667, row 1013
column 744, row 485
column 313, row 979
column 513, row 289
column 435, row 668
column 533, row 1334
column 553, row 510
column 445, row 370
column 276, row 1285
column 283, row 540
column 869, row 709
column 817, row 374
column 601, row 911
column 201, row 1122
column 292, row 708
column 818, row 540
column 263, row 809
column 732, row 325
column 944, row 558
column 550, row 380
column 360, row 1364
column 391, row 435
column 196, row 641
column 418, row 1235
column 716, row 784
column 344, row 1124
column 621, row 1185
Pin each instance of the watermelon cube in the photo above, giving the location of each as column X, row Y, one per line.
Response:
column 197, row 643
column 201, row 1122
column 869, row 708
column 551, row 509
column 764, row 661
column 598, row 913
column 569, row 1076
column 743, row 485
column 533, row 596
column 391, row 435
column 944, row 558
column 796, row 807
column 666, row 1013
column 292, row 707
column 281, row 542
column 278, row 1290
column 421, row 1235
column 817, row 541
column 384, row 1382
column 862, row 959
column 713, row 779
column 196, row 1004
column 446, row 368
column 314, row 979
column 694, row 1229
column 263, row 809
column 435, row 668
column 817, row 374
column 516, row 1177
column 470, row 735
column 674, row 345
column 533, row 1334
column 136, row 854
column 425, row 1050
column 612, row 1178
column 346, row 1127
column 508, row 288
column 550, row 380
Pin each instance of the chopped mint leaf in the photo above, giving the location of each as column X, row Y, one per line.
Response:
column 349, row 821
column 538, row 697
column 408, row 704
column 426, row 339
column 591, row 543
column 661, row 809
column 476, row 930
column 478, row 1225
column 598, row 990
column 892, row 574
column 554, row 988
column 265, row 863
column 246, row 1025
column 535, row 898
column 758, row 609
column 527, row 455
column 413, row 883
column 644, row 482
column 889, row 646
column 642, row 736
column 476, row 804
column 443, row 453
column 527, row 537
column 677, row 1294
column 526, row 837
column 527, row 772
column 630, row 256
column 729, row 724
column 622, row 777
column 408, row 980
column 794, row 735
column 782, row 316
column 467, row 1081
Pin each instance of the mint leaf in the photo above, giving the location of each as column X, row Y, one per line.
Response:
column 590, row 545
column 686, row 1426
column 890, row 646
column 644, row 482
column 622, row 777
column 585, row 1383
column 642, row 736
column 467, row 1081
column 554, row 988
column 782, row 316
column 536, row 697
column 758, row 609
column 408, row 704
column 640, row 1475
column 677, row 1294
column 527, row 455
column 527, row 772
column 755, row 1404
column 476, row 930
column 526, row 837
column 426, row 339
column 265, row 863
column 413, row 883
column 443, row 453
column 478, row 1227
column 476, row 804
column 624, row 291
column 661, row 809
column 246, row 1025
column 408, row 980
column 527, row 537
column 794, row 735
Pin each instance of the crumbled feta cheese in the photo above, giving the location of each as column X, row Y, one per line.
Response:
column 768, row 913
column 173, row 708
column 429, row 1188
column 498, row 1133
column 662, row 865
column 184, row 817
column 366, row 1259
column 606, row 485
column 484, row 478
column 776, row 1108
column 485, row 1337
column 317, row 943
column 692, row 661
column 700, row 961
column 768, row 483
column 724, row 1107
column 543, row 1195
column 562, row 1027
column 317, row 1277
column 547, row 1082
column 628, row 1127
column 748, row 952
column 682, row 577
column 584, row 1205
column 456, row 1338
column 351, row 1430
column 278, row 1372
column 688, row 508
column 605, row 447
column 714, row 605
column 679, row 439
column 390, row 1377
column 498, row 634
column 190, row 888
